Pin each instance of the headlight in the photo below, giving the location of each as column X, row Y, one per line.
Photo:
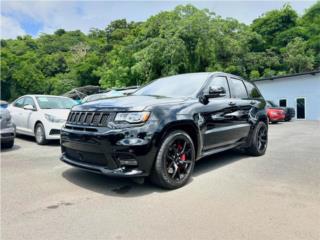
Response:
column 132, row 117
column 52, row 118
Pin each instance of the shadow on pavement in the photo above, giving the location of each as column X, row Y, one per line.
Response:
column 125, row 187
column 216, row 161
column 122, row 187
column 32, row 139
column 15, row 147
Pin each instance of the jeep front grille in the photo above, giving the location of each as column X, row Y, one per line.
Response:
column 97, row 119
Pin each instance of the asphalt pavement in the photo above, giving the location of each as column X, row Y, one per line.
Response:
column 230, row 196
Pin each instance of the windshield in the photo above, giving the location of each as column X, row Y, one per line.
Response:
column 55, row 102
column 185, row 85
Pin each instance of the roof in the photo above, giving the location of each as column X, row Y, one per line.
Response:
column 314, row 72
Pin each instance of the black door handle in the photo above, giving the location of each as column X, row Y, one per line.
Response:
column 252, row 102
column 232, row 103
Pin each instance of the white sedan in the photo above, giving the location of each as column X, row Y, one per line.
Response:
column 41, row 116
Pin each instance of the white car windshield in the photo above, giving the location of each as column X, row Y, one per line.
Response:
column 55, row 102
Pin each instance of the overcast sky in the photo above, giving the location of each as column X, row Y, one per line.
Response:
column 35, row 17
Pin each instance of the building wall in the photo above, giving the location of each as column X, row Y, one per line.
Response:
column 291, row 88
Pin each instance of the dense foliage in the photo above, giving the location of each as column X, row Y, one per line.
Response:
column 183, row 40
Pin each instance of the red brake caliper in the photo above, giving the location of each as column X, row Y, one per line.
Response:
column 183, row 156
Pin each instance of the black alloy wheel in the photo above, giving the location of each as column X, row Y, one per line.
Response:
column 178, row 159
column 259, row 140
column 262, row 139
column 175, row 161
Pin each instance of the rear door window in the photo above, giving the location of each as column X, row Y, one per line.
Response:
column 237, row 88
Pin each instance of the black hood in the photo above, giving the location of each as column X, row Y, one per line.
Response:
column 127, row 103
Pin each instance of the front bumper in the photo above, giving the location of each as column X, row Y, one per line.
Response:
column 52, row 130
column 114, row 152
column 118, row 172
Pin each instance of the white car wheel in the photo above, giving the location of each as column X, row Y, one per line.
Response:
column 40, row 134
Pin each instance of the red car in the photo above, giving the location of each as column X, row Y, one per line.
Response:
column 276, row 115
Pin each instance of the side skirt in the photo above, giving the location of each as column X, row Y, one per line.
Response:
column 221, row 149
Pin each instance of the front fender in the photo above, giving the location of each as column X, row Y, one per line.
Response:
column 186, row 125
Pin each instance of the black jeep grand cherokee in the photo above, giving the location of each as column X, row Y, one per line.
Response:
column 164, row 127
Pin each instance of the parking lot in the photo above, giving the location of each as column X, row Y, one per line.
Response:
column 231, row 195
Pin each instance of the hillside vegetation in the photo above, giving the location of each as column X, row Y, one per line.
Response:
column 186, row 39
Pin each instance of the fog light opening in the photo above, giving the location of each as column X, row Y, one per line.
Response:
column 128, row 162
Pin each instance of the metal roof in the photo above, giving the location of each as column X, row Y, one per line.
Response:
column 314, row 72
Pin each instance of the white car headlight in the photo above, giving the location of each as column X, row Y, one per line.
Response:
column 54, row 119
column 132, row 117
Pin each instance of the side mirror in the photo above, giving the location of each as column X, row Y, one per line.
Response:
column 29, row 107
column 213, row 92
column 216, row 92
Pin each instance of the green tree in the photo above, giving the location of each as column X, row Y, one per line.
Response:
column 186, row 39
column 298, row 57
column 275, row 22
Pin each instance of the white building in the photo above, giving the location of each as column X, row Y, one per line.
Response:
column 300, row 91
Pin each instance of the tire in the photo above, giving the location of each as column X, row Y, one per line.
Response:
column 174, row 162
column 40, row 135
column 7, row 144
column 259, row 140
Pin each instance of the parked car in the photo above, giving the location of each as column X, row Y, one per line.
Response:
column 41, row 116
column 3, row 104
column 165, row 126
column 7, row 130
column 275, row 115
column 288, row 111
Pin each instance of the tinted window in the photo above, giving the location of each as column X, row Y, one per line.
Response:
column 253, row 92
column 29, row 101
column 283, row 102
column 19, row 102
column 221, row 82
column 238, row 89
column 185, row 85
